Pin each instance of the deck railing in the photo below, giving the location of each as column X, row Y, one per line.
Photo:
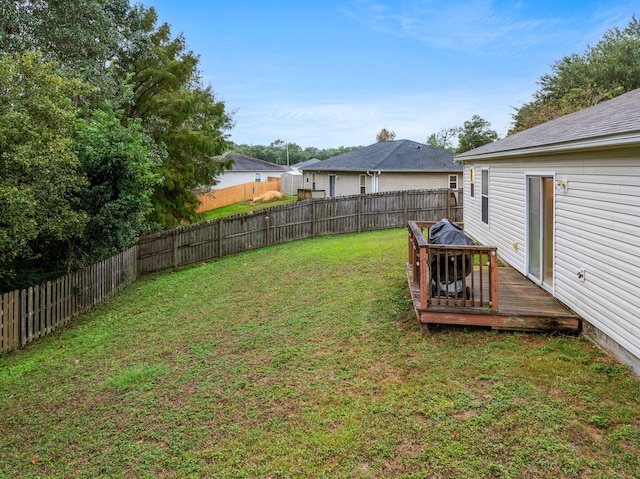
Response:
column 452, row 275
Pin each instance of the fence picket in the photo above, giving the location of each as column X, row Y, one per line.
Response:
column 4, row 321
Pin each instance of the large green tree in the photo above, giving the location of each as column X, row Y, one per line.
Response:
column 474, row 133
column 608, row 69
column 105, row 128
column 182, row 116
column 39, row 176
column 85, row 37
column 117, row 159
column 444, row 138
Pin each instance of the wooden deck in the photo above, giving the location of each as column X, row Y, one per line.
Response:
column 523, row 306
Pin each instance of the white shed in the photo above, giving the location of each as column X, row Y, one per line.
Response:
column 562, row 203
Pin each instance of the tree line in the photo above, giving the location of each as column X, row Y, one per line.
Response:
column 282, row 153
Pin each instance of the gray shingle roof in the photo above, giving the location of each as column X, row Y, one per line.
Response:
column 618, row 116
column 248, row 163
column 399, row 155
column 302, row 164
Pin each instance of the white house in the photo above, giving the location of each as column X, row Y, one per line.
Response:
column 562, row 203
column 246, row 169
column 385, row 166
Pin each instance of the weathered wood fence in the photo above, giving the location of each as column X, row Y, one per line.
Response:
column 31, row 313
column 293, row 221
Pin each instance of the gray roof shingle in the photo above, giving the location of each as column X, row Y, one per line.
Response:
column 620, row 115
column 398, row 156
column 248, row 163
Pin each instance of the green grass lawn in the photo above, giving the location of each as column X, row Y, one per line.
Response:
column 305, row 360
column 245, row 207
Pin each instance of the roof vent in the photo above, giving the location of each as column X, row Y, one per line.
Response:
column 419, row 147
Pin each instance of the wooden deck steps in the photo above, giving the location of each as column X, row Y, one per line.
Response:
column 523, row 306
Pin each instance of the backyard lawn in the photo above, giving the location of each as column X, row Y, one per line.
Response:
column 305, row 360
column 246, row 207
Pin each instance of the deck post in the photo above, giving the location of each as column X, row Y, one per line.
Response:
column 423, row 277
column 493, row 281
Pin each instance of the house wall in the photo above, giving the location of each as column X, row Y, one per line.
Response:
column 596, row 228
column 414, row 181
column 348, row 183
column 233, row 178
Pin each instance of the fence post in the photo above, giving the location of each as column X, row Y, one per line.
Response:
column 359, row 211
column 175, row 249
column 313, row 218
column 267, row 222
column 405, row 208
column 220, row 237
column 23, row 317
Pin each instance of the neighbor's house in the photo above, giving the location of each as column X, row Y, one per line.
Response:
column 386, row 166
column 562, row 203
column 246, row 169
column 248, row 178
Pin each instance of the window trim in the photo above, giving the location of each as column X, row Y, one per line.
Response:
column 455, row 178
column 472, row 182
column 484, row 194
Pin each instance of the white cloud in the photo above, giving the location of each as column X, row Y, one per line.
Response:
column 457, row 25
column 410, row 116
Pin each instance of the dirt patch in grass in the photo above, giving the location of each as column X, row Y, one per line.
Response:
column 266, row 196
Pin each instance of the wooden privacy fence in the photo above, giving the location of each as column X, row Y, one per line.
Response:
column 235, row 194
column 290, row 222
column 34, row 312
column 29, row 314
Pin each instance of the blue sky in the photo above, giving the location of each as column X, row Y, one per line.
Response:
column 334, row 73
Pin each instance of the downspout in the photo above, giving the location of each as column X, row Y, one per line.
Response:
column 374, row 180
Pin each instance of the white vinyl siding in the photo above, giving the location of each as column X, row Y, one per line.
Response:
column 234, row 178
column 507, row 214
column 597, row 229
column 412, row 181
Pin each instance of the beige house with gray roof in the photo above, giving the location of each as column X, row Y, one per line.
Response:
column 399, row 165
column 562, row 203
